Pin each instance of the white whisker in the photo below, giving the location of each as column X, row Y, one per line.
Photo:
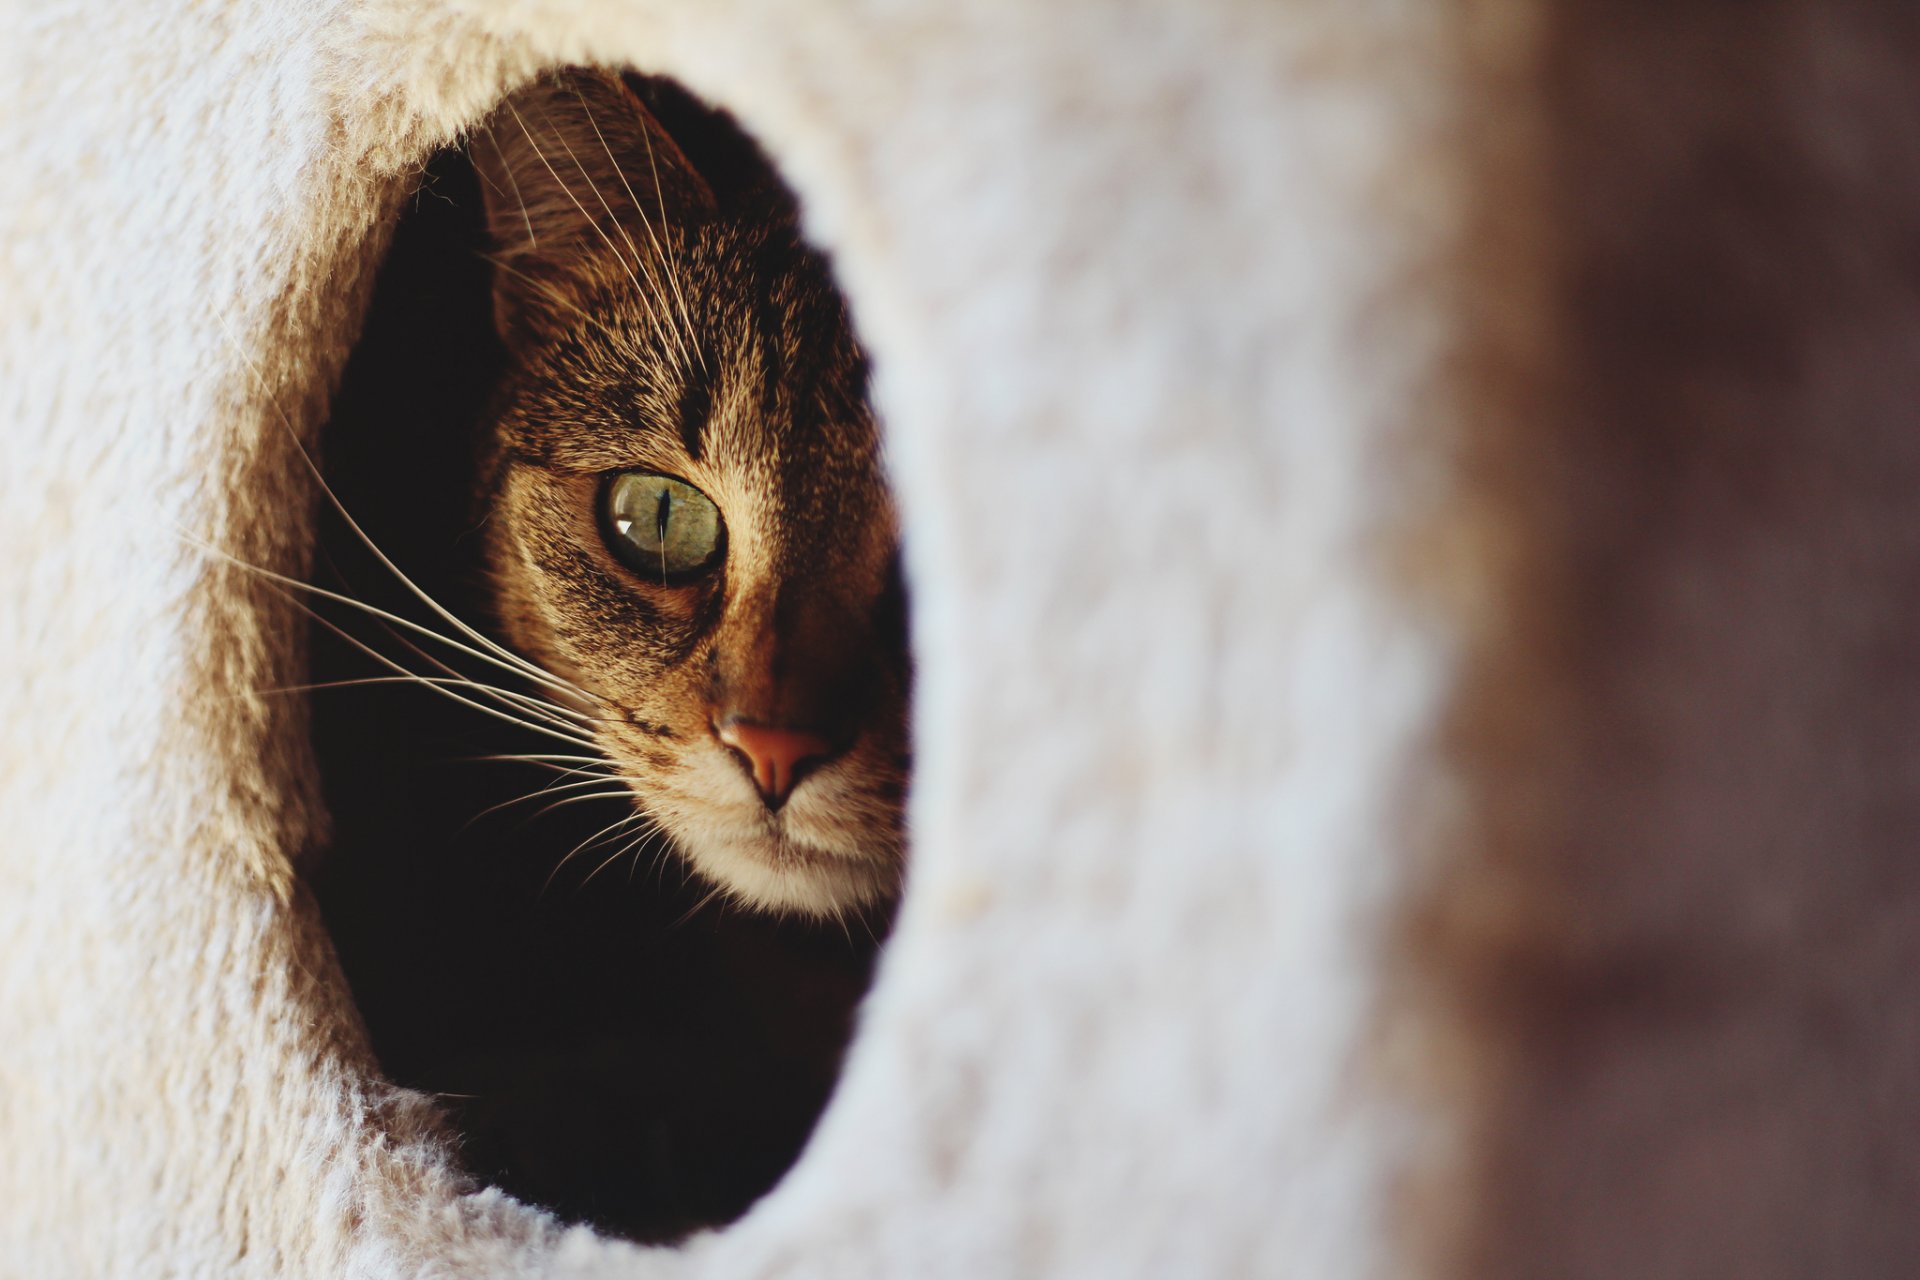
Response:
column 554, row 764
column 551, row 294
column 695, row 910
column 544, row 759
column 618, row 854
column 622, row 794
column 455, row 681
column 513, row 660
column 639, row 259
column 561, row 717
column 665, row 251
column 610, row 829
column 508, row 170
column 541, row 156
column 639, row 848
column 551, row 789
column 390, row 664
column 295, row 584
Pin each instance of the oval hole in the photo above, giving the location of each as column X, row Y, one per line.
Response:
column 608, row 1038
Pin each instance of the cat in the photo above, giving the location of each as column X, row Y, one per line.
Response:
column 687, row 521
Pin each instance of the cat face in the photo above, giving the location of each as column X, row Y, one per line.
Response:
column 685, row 506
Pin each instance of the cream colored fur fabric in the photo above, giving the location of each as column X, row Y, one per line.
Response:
column 1412, row 515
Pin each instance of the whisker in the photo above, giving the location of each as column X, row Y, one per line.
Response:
column 504, row 656
column 639, row 851
column 553, row 764
column 639, row 259
column 295, row 584
column 618, row 854
column 551, row 789
column 697, row 907
column 514, row 183
column 619, row 225
column 540, row 759
column 673, row 258
column 840, row 918
column 559, row 770
column 540, row 155
column 454, row 681
column 552, row 294
column 621, row 794
column 665, row 251
column 561, row 717
column 658, row 868
column 515, row 661
column 390, row 664
column 610, row 829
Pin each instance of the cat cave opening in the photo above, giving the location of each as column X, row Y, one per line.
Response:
column 616, row 768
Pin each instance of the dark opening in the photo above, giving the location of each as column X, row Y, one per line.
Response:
column 609, row 1044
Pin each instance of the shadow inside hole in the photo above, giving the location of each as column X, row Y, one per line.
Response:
column 608, row 1043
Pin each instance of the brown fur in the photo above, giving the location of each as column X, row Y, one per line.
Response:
column 1676, row 940
column 653, row 324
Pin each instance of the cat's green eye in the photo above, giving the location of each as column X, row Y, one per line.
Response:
column 660, row 527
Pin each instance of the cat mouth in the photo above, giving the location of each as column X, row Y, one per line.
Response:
column 820, row 852
column 832, row 843
column 776, row 863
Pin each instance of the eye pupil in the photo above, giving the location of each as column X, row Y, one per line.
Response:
column 660, row 526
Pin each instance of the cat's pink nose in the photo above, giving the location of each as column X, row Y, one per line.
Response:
column 775, row 755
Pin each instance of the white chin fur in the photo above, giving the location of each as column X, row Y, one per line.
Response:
column 806, row 864
column 818, row 885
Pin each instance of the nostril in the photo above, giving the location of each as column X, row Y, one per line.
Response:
column 776, row 756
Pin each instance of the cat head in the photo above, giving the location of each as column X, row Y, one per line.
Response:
column 686, row 510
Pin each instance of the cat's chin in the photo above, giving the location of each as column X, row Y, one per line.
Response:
column 802, row 862
column 787, row 879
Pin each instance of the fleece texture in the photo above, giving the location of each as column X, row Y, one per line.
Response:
column 1410, row 515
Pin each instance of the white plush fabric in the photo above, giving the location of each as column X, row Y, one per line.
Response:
column 1202, row 329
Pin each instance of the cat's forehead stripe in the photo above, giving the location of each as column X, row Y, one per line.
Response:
column 696, row 407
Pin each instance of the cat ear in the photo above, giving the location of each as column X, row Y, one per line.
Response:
column 575, row 170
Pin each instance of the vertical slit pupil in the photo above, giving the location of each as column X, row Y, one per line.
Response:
column 661, row 511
